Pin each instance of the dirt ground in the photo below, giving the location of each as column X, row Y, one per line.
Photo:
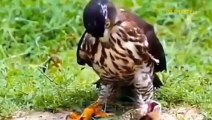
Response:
column 180, row 113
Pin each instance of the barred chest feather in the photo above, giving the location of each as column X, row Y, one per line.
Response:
column 120, row 57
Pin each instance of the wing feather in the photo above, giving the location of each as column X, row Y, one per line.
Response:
column 79, row 59
column 155, row 47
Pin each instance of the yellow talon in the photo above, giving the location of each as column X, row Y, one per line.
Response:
column 95, row 110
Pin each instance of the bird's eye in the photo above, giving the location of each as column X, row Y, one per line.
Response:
column 107, row 24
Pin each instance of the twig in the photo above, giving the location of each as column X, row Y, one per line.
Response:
column 51, row 80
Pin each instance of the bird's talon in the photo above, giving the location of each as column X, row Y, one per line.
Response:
column 73, row 116
column 94, row 110
column 103, row 115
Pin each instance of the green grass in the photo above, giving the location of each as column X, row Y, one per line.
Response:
column 30, row 31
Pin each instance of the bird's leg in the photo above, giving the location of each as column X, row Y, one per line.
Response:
column 95, row 109
column 105, row 95
column 144, row 91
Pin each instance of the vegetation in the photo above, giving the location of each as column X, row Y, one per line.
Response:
column 31, row 31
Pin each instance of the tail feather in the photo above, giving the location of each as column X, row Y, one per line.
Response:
column 157, row 82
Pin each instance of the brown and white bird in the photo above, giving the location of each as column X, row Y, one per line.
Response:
column 124, row 51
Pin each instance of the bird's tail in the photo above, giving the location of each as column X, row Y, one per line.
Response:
column 157, row 83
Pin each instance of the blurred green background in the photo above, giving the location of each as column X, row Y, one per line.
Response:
column 33, row 30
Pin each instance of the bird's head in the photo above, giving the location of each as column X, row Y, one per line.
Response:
column 98, row 16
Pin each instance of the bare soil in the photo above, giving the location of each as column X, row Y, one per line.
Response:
column 180, row 113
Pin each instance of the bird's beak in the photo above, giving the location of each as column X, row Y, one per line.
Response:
column 105, row 37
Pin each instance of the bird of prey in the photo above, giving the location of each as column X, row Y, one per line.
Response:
column 124, row 51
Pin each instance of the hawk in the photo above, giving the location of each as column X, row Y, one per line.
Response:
column 124, row 51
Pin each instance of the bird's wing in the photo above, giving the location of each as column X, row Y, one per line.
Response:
column 155, row 48
column 87, row 46
column 79, row 59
